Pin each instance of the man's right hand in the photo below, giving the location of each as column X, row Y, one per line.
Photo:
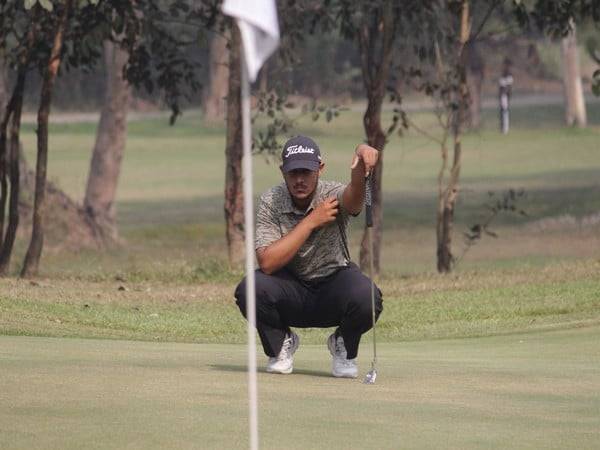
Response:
column 281, row 252
column 324, row 213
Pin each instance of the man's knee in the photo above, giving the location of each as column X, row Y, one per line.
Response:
column 240, row 296
column 263, row 287
column 360, row 300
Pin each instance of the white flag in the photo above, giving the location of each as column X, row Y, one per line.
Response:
column 259, row 28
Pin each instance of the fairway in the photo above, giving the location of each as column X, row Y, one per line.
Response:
column 535, row 390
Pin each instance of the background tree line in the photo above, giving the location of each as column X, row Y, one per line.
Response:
column 536, row 61
column 161, row 53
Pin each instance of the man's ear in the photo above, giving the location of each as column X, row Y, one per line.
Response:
column 321, row 167
column 281, row 168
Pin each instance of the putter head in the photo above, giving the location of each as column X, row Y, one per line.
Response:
column 370, row 377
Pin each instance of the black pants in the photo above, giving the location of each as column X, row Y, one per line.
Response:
column 342, row 299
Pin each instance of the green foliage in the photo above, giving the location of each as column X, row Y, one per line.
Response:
column 593, row 48
column 554, row 17
column 28, row 4
column 46, row 4
column 282, row 116
column 156, row 35
column 508, row 202
column 596, row 83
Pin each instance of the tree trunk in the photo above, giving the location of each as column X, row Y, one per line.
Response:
column 449, row 194
column 34, row 251
column 445, row 217
column 475, row 76
column 263, row 78
column 376, row 139
column 105, row 166
column 3, row 88
column 7, row 106
column 375, row 66
column 7, row 110
column 11, row 165
column 575, row 113
column 213, row 106
column 234, row 200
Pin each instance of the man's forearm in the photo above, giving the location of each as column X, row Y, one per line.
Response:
column 281, row 252
column 363, row 163
column 354, row 194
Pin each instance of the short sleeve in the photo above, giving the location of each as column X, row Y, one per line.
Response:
column 337, row 190
column 267, row 225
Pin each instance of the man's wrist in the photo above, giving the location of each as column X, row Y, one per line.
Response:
column 308, row 222
column 358, row 159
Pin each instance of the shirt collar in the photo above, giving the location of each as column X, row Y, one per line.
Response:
column 288, row 203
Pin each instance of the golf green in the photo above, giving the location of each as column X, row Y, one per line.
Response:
column 538, row 390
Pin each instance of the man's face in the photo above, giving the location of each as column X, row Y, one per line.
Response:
column 301, row 183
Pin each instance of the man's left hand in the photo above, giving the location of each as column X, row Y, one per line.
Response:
column 368, row 155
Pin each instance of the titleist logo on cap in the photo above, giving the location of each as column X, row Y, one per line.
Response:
column 294, row 149
column 300, row 152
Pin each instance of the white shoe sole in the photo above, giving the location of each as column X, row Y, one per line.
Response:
column 344, row 375
column 280, row 372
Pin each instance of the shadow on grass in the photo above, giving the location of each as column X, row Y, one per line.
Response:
column 536, row 116
column 239, row 368
column 417, row 209
column 549, row 193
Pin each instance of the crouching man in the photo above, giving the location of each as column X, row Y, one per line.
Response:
column 306, row 278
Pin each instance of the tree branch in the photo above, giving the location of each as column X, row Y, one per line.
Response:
column 488, row 13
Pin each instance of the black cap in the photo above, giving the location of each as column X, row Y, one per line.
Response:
column 301, row 152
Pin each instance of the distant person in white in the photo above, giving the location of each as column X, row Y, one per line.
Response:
column 504, row 93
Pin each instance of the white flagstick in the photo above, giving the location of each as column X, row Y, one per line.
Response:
column 259, row 31
column 250, row 291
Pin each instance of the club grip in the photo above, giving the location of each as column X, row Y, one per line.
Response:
column 368, row 202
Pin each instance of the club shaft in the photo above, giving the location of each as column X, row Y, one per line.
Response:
column 370, row 232
column 369, row 222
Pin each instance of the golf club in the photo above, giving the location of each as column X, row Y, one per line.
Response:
column 372, row 374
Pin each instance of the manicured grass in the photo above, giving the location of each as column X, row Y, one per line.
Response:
column 521, row 391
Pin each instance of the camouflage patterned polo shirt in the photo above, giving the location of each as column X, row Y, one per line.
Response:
column 325, row 250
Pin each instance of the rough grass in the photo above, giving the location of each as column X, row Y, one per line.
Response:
column 416, row 307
